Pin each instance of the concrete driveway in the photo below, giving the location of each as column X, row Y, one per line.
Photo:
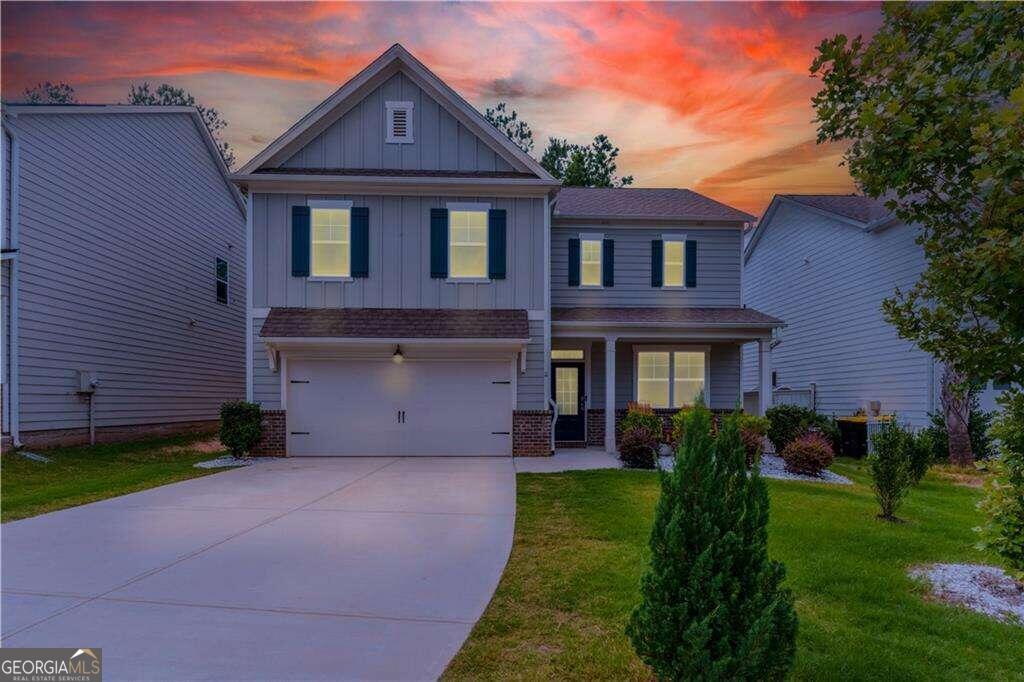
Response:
column 356, row 568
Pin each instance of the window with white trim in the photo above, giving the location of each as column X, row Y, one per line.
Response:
column 670, row 378
column 467, row 243
column 590, row 262
column 221, row 275
column 566, row 354
column 331, row 236
column 399, row 122
column 673, row 268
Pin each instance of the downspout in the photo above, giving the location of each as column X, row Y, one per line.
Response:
column 12, row 349
column 248, row 296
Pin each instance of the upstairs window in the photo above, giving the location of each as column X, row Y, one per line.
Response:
column 672, row 274
column 399, row 122
column 590, row 262
column 330, row 234
column 467, row 244
column 221, row 275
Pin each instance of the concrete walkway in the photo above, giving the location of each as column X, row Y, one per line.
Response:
column 289, row 569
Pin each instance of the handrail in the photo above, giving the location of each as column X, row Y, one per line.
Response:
column 554, row 418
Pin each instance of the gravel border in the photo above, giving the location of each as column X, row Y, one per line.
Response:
column 773, row 467
column 989, row 590
column 225, row 461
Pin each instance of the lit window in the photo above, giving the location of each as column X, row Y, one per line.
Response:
column 590, row 262
column 222, row 281
column 467, row 240
column 670, row 379
column 673, row 264
column 331, row 242
column 567, row 391
column 558, row 354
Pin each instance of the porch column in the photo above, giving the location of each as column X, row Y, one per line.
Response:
column 609, row 394
column 764, row 367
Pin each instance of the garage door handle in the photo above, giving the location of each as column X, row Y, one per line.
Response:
column 501, row 382
column 299, row 433
column 300, row 381
column 401, row 416
column 499, row 433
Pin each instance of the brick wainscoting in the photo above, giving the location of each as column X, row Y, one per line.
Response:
column 272, row 444
column 113, row 434
column 531, row 433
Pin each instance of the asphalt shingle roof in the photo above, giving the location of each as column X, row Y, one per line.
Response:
column 668, row 316
column 396, row 173
column 852, row 206
column 395, row 323
column 640, row 202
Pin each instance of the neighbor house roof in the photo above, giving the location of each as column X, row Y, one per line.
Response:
column 393, row 173
column 395, row 323
column 666, row 316
column 642, row 203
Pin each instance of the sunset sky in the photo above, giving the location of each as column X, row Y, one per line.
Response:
column 710, row 96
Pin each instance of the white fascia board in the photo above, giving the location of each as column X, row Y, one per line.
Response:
column 316, row 184
column 283, row 341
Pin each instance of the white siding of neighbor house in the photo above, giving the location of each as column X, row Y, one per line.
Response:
column 357, row 139
column 718, row 268
column 121, row 219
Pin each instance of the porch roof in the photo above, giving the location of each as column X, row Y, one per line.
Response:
column 395, row 323
column 663, row 317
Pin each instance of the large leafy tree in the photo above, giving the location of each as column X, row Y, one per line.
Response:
column 51, row 93
column 506, row 119
column 592, row 165
column 933, row 110
column 168, row 95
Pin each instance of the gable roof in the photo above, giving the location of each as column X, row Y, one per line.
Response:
column 115, row 109
column 642, row 203
column 394, row 59
column 855, row 210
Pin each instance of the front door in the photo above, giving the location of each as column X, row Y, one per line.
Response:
column 567, row 387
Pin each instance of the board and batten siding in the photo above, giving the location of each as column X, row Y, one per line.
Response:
column 827, row 280
column 357, row 138
column 121, row 219
column 718, row 268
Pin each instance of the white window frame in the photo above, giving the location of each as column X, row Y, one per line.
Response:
column 390, row 108
column 474, row 208
column 670, row 349
column 599, row 238
column 315, row 204
column 665, row 238
column 226, row 280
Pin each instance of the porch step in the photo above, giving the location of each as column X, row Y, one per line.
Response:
column 570, row 443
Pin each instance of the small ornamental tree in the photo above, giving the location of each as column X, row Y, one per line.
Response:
column 713, row 606
column 1004, row 500
column 241, row 426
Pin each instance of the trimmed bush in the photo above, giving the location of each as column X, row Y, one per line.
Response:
column 1004, row 491
column 788, row 422
column 753, row 429
column 638, row 447
column 809, row 454
column 640, row 415
column 241, row 426
column 891, row 466
column 713, row 605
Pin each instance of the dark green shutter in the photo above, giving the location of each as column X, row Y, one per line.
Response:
column 360, row 241
column 608, row 263
column 657, row 262
column 574, row 262
column 496, row 243
column 300, row 241
column 691, row 264
column 439, row 243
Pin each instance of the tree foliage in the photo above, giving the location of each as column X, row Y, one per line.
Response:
column 593, row 165
column 507, row 121
column 933, row 109
column 1003, row 531
column 51, row 93
column 167, row 95
column 713, row 606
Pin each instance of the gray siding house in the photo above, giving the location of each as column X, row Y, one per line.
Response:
column 824, row 263
column 123, row 274
column 418, row 285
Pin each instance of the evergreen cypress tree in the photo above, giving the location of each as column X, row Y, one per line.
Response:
column 713, row 606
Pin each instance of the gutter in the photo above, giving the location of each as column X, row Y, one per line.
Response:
column 11, row 255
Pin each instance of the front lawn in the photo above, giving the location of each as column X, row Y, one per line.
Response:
column 581, row 545
column 84, row 474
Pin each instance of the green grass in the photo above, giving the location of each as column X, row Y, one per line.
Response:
column 85, row 474
column 581, row 547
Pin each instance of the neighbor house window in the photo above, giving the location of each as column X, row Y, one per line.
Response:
column 590, row 262
column 331, row 240
column 670, row 378
column 222, row 281
column 467, row 244
column 672, row 275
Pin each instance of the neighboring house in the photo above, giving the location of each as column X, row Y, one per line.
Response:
column 123, row 274
column 824, row 263
column 420, row 286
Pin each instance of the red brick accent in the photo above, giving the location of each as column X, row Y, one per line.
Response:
column 52, row 438
column 531, row 433
column 595, row 428
column 273, row 443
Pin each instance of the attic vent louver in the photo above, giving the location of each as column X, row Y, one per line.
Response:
column 399, row 122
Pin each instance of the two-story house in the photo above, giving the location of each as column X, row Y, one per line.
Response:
column 419, row 286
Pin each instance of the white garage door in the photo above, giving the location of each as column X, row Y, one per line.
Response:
column 418, row 407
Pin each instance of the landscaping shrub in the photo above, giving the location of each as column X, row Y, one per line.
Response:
column 978, row 423
column 679, row 426
column 891, row 466
column 921, row 457
column 788, row 422
column 640, row 415
column 638, row 447
column 713, row 605
column 1003, row 504
column 809, row 454
column 241, row 426
column 753, row 429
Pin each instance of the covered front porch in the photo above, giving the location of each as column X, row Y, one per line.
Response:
column 604, row 358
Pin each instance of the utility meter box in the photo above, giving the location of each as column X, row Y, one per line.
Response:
column 87, row 381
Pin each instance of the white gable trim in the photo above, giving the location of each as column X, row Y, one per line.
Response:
column 395, row 59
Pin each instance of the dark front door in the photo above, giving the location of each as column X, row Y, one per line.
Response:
column 567, row 387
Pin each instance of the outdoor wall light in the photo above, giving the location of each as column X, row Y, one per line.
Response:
column 398, row 358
